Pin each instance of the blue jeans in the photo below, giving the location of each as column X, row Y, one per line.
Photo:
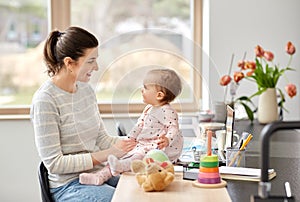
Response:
column 74, row 191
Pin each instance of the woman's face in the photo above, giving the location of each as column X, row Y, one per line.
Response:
column 87, row 64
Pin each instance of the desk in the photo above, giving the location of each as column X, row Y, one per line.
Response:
column 178, row 191
column 284, row 158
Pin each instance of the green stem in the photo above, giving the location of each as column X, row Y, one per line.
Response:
column 290, row 60
column 285, row 77
column 288, row 65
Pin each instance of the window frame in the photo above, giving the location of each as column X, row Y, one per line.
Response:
column 60, row 18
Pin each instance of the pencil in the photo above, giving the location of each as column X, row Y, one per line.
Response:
column 246, row 141
column 242, row 148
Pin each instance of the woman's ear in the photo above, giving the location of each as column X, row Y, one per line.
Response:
column 69, row 63
column 160, row 95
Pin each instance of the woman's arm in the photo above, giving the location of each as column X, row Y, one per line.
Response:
column 46, row 121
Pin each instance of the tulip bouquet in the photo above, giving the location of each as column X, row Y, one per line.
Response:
column 264, row 73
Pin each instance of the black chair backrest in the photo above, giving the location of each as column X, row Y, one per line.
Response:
column 121, row 129
column 44, row 183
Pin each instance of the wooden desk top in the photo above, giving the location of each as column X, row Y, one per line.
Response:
column 178, row 191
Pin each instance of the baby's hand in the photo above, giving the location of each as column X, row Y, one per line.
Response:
column 163, row 142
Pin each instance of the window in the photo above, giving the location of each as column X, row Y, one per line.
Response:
column 23, row 26
column 145, row 34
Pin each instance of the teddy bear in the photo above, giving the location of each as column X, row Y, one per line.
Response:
column 155, row 172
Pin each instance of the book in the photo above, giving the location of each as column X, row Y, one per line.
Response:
column 242, row 173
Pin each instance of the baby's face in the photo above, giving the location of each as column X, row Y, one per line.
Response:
column 150, row 94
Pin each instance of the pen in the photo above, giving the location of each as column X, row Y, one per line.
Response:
column 241, row 144
column 242, row 148
column 246, row 141
column 242, row 139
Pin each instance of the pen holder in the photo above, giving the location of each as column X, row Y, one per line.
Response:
column 235, row 157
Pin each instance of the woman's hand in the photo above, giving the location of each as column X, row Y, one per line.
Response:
column 125, row 145
column 119, row 149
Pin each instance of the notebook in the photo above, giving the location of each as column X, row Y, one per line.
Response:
column 242, row 173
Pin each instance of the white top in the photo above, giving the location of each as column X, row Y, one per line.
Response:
column 153, row 122
column 67, row 128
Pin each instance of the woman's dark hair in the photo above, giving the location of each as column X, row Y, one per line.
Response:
column 70, row 43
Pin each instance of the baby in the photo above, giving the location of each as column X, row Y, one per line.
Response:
column 156, row 128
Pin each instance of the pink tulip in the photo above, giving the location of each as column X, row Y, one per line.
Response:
column 259, row 51
column 249, row 73
column 291, row 90
column 250, row 65
column 225, row 80
column 241, row 64
column 268, row 55
column 290, row 48
column 238, row 76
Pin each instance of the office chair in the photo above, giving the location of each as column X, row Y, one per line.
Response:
column 43, row 172
column 44, row 183
column 121, row 129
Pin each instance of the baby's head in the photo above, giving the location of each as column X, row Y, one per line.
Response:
column 166, row 81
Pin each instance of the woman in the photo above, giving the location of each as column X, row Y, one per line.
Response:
column 69, row 132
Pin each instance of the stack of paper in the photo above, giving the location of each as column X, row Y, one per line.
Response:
column 241, row 173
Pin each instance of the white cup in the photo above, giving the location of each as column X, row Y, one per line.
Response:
column 221, row 139
column 224, row 139
column 235, row 140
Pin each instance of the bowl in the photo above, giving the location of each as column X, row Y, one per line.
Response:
column 206, row 116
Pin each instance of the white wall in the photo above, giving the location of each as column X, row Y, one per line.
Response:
column 19, row 162
column 236, row 26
